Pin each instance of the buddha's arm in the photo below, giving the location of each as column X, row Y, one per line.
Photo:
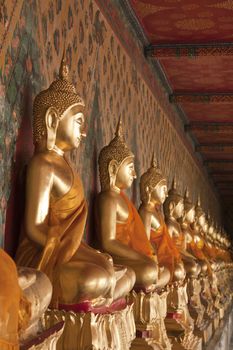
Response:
column 146, row 219
column 107, row 214
column 38, row 188
column 187, row 255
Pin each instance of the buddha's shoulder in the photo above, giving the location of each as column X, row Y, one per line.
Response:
column 108, row 196
column 41, row 160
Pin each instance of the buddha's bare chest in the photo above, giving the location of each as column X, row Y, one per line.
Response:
column 174, row 228
column 155, row 222
column 62, row 178
column 188, row 235
column 122, row 210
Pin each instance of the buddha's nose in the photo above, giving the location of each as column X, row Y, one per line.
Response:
column 84, row 134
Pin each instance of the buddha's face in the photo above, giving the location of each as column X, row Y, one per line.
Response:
column 126, row 174
column 179, row 209
column 70, row 129
column 190, row 215
column 205, row 227
column 211, row 229
column 201, row 220
column 159, row 193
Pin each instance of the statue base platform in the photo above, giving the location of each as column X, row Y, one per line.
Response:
column 149, row 311
column 196, row 309
column 184, row 344
column 100, row 329
column 178, row 322
column 46, row 340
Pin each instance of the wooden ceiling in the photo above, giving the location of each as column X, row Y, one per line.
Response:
column 192, row 42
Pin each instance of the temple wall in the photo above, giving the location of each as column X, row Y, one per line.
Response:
column 108, row 67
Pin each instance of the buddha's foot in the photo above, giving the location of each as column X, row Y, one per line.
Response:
column 107, row 330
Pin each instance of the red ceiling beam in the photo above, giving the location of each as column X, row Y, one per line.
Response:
column 201, row 97
column 221, row 172
column 189, row 50
column 224, row 181
column 218, row 162
column 225, row 186
column 212, row 147
column 218, row 128
column 223, row 177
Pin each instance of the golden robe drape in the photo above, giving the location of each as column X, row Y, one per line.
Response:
column 167, row 252
column 132, row 232
column 67, row 218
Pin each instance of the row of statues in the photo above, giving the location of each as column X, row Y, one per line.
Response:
column 167, row 246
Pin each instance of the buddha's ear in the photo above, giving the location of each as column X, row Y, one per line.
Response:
column 51, row 121
column 112, row 167
column 148, row 190
column 112, row 171
column 171, row 206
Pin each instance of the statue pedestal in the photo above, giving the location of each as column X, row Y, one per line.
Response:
column 179, row 324
column 150, row 309
column 195, row 306
column 46, row 340
column 89, row 330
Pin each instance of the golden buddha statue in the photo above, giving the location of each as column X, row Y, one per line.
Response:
column 153, row 191
column 196, row 308
column 122, row 233
column 10, row 295
column 25, row 294
column 174, row 211
column 56, row 208
column 197, row 249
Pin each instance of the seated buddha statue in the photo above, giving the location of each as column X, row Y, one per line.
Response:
column 56, row 208
column 194, row 285
column 153, row 192
column 121, row 230
column 10, row 295
column 196, row 247
column 25, row 294
column 174, row 211
column 186, row 222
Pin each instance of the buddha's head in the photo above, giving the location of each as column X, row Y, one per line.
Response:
column 200, row 215
column 116, row 163
column 58, row 118
column 189, row 209
column 174, row 204
column 153, row 185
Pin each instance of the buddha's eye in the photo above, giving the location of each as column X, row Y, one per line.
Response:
column 79, row 121
column 131, row 168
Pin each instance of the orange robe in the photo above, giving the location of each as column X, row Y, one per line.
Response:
column 9, row 303
column 197, row 249
column 132, row 232
column 67, row 218
column 167, row 252
column 210, row 252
